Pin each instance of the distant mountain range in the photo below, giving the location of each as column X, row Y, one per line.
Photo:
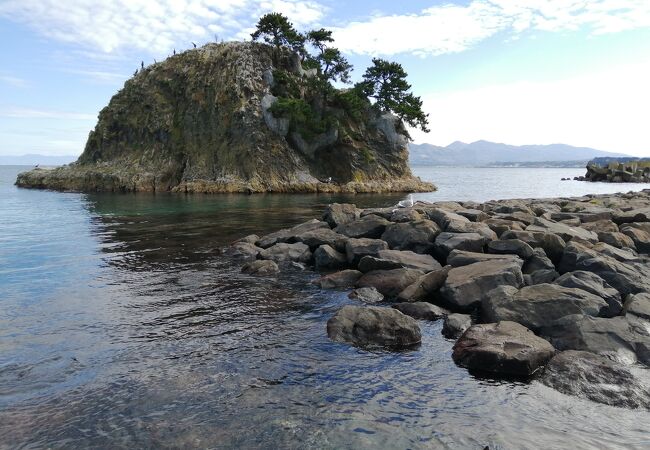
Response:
column 485, row 153
column 33, row 159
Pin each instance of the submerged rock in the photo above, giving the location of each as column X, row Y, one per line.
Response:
column 371, row 326
column 260, row 267
column 587, row 375
column 502, row 349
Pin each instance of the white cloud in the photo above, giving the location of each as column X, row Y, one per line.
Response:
column 453, row 28
column 606, row 110
column 13, row 81
column 151, row 25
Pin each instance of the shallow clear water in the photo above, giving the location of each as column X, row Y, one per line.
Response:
column 121, row 326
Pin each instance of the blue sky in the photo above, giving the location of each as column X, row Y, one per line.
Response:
column 519, row 72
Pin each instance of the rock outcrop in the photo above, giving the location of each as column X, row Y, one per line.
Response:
column 204, row 121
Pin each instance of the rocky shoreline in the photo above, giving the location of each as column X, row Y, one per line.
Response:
column 554, row 290
column 75, row 178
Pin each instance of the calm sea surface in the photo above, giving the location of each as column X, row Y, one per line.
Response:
column 121, row 326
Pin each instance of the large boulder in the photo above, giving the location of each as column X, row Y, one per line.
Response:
column 243, row 250
column 372, row 326
column 417, row 236
column 339, row 280
column 511, row 247
column 473, row 215
column 539, row 305
column 389, row 282
column 445, row 218
column 426, row 287
column 466, row 286
column 327, row 258
column 455, row 325
column 638, row 305
column 405, row 215
column 472, row 227
column 639, row 233
column 501, row 226
column 626, row 278
column 502, row 349
column 371, row 226
column 289, row 234
column 539, row 261
column 587, row 375
column 395, row 259
column 355, row 249
column 421, row 310
column 623, row 339
column 600, row 226
column 633, row 215
column 281, row 252
column 564, row 231
column 260, row 267
column 459, row 258
column 616, row 239
column 446, row 242
column 340, row 214
column 322, row 236
column 593, row 284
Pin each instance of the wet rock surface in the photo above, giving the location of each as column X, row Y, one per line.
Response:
column 504, row 348
column 514, row 281
column 373, row 326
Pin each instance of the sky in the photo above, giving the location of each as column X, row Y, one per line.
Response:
column 519, row 72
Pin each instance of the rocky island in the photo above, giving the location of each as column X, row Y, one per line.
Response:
column 245, row 117
column 618, row 170
column 557, row 290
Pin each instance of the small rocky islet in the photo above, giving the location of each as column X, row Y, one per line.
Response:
column 555, row 290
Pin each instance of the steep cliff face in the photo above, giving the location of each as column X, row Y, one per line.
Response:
column 207, row 120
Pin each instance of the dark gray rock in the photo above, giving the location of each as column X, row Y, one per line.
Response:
column 501, row 226
column 466, row 286
column 405, row 215
column 288, row 235
column 371, row 226
column 511, row 247
column 446, row 242
column 426, row 287
column 593, row 284
column 621, row 339
column 616, row 239
column 371, row 326
column 445, row 218
column 594, row 377
column 297, row 252
column 631, row 216
column 472, row 227
column 250, row 239
column 502, row 349
column 322, row 236
column 566, row 232
column 540, row 305
column 326, row 258
column 421, row 310
column 459, row 258
column 473, row 215
column 638, row 305
column 455, row 325
column 243, row 250
column 626, row 278
column 639, row 233
column 540, row 277
column 355, row 249
column 339, row 280
column 260, row 267
column 417, row 236
column 395, row 259
column 340, row 214
column 389, row 282
column 366, row 295
column 539, row 261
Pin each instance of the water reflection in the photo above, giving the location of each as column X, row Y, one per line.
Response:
column 141, row 335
